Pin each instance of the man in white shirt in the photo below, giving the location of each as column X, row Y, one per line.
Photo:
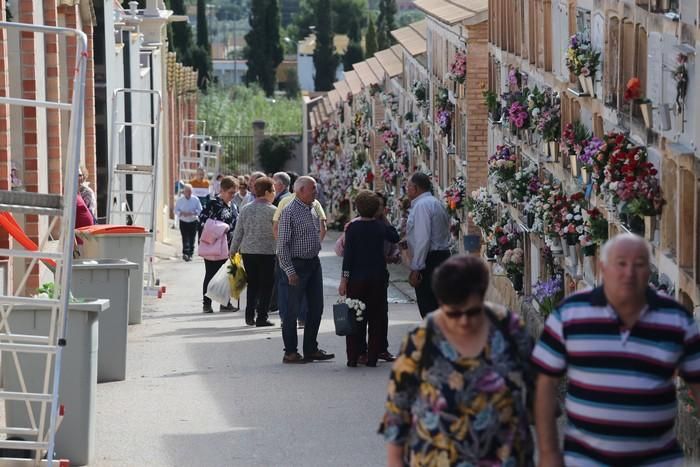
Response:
column 187, row 209
column 428, row 237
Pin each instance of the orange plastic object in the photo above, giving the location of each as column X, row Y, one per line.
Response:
column 9, row 223
column 107, row 229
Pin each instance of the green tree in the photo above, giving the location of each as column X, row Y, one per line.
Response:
column 342, row 12
column 370, row 39
column 354, row 53
column 386, row 23
column 202, row 57
column 325, row 60
column 264, row 50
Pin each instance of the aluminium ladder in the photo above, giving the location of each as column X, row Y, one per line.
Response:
column 192, row 137
column 59, row 209
column 133, row 188
column 210, row 153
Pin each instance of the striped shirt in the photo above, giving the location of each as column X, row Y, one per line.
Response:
column 299, row 236
column 621, row 397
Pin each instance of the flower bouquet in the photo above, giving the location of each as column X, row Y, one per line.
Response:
column 444, row 120
column 374, row 89
column 573, row 139
column 633, row 93
column 420, row 93
column 503, row 237
column 458, row 68
column 545, row 114
column 583, row 61
column 547, row 294
column 391, row 139
column 587, row 157
column 357, row 306
column 513, row 261
column 595, row 231
column 526, row 184
column 571, row 215
column 481, row 207
column 454, row 196
column 493, row 106
column 502, row 169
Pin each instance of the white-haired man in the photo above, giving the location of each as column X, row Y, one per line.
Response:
column 187, row 209
column 619, row 345
column 298, row 245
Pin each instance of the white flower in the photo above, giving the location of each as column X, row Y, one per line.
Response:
column 359, row 318
column 362, row 306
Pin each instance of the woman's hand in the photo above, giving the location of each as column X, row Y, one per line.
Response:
column 343, row 287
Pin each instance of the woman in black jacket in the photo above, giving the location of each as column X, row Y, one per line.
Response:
column 221, row 209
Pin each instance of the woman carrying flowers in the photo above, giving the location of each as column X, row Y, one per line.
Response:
column 456, row 391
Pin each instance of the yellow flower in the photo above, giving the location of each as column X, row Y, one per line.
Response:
column 404, row 364
column 455, row 381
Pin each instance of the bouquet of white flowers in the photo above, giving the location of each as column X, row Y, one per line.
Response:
column 357, row 306
column 347, row 313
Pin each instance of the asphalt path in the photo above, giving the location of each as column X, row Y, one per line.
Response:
column 207, row 390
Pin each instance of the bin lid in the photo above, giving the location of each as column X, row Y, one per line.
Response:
column 111, row 229
column 89, row 264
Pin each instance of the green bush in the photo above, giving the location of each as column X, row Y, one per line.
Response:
column 274, row 152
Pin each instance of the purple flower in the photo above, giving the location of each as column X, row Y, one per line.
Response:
column 490, row 382
column 548, row 289
column 587, row 156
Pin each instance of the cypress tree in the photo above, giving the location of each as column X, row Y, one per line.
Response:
column 370, row 39
column 325, row 60
column 354, row 53
column 264, row 50
column 202, row 57
column 386, row 23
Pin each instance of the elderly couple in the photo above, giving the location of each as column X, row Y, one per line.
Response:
column 457, row 389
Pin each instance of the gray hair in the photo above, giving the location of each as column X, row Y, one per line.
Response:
column 283, row 178
column 609, row 245
column 303, row 181
column 256, row 175
column 186, row 186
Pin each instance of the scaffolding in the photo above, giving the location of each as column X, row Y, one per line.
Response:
column 60, row 211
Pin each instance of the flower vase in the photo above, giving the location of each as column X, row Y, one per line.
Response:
column 647, row 113
column 649, row 227
column 564, row 246
column 582, row 84
column 554, row 151
column 585, row 175
column 590, row 266
column 589, row 85
column 573, row 159
column 571, row 259
column 555, row 246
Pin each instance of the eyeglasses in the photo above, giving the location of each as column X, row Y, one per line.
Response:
column 469, row 312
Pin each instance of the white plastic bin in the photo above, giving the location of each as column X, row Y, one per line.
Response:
column 119, row 242
column 75, row 439
column 109, row 279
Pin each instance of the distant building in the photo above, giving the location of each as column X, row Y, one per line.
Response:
column 229, row 72
column 305, row 60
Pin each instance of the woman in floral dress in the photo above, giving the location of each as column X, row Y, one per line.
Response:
column 457, row 390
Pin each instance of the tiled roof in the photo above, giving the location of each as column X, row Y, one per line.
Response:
column 389, row 60
column 353, row 81
column 455, row 11
column 412, row 37
column 366, row 74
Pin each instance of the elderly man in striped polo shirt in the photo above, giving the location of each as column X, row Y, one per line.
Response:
column 298, row 245
column 619, row 346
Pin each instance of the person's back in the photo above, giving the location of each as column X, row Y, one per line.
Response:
column 364, row 246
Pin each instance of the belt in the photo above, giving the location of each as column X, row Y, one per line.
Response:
column 305, row 259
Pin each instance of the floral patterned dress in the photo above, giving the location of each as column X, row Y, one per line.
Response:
column 449, row 410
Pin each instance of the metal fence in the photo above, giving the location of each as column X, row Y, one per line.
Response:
column 239, row 152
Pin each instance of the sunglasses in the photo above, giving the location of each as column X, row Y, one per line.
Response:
column 469, row 313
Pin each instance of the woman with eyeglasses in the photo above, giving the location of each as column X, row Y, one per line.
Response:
column 457, row 389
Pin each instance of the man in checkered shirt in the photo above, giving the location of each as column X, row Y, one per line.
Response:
column 298, row 245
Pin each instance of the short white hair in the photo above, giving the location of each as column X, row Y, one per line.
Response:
column 609, row 245
column 303, row 181
column 283, row 178
column 186, row 186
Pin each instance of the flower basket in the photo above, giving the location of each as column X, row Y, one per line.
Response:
column 574, row 164
column 647, row 114
column 649, row 227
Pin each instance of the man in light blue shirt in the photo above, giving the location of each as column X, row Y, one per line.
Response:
column 428, row 238
column 187, row 209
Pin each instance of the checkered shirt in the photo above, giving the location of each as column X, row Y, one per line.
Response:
column 299, row 235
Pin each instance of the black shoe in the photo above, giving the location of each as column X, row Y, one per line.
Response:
column 227, row 308
column 386, row 356
column 293, row 358
column 318, row 355
column 352, row 364
column 250, row 322
column 262, row 324
column 371, row 364
column 207, row 308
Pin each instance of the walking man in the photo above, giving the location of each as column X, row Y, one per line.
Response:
column 298, row 245
column 187, row 209
column 619, row 346
column 428, row 238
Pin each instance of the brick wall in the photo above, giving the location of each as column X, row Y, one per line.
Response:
column 53, row 116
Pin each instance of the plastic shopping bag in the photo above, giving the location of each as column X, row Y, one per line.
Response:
column 237, row 276
column 219, row 288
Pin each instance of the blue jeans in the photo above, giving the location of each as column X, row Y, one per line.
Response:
column 283, row 295
column 310, row 286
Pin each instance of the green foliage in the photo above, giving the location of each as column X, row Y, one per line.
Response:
column 343, row 13
column 264, row 50
column 386, row 23
column 292, row 85
column 407, row 17
column 325, row 60
column 232, row 111
column 274, row 152
column 182, row 42
column 370, row 39
column 353, row 55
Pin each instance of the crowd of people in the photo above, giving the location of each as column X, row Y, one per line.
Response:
column 469, row 382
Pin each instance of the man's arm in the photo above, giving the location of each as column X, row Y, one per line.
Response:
column 546, row 400
column 283, row 252
column 420, row 244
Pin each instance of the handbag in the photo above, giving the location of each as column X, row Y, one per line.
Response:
column 344, row 319
column 213, row 243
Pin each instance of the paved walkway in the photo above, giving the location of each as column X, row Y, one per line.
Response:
column 206, row 390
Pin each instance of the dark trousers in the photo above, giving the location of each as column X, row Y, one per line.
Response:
column 373, row 294
column 210, row 270
column 310, row 286
column 188, row 231
column 363, row 326
column 427, row 302
column 260, row 270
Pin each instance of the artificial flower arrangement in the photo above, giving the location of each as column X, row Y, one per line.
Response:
column 454, row 196
column 358, row 306
column 420, row 92
column 501, row 166
column 595, row 231
column 386, row 163
column 680, row 76
column 481, row 207
column 587, row 156
column 581, row 59
column 546, row 116
column 574, row 137
column 571, row 218
column 516, row 101
column 443, row 113
column 513, row 261
column 525, row 184
column 414, row 136
column 458, row 68
column 548, row 294
column 374, row 89
column 503, row 236
column 391, row 139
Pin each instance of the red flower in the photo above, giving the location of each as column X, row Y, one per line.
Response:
column 633, row 90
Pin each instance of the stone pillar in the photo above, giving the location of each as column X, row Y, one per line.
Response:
column 258, row 136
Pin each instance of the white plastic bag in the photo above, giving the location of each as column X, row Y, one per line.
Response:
column 219, row 288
